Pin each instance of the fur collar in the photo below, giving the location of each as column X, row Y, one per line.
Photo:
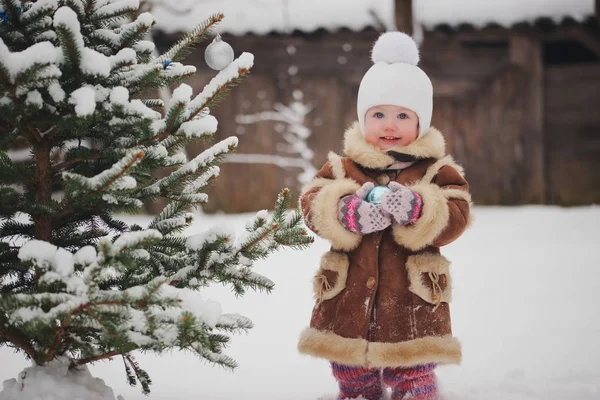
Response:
column 431, row 145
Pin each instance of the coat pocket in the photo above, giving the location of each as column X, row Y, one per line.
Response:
column 331, row 277
column 429, row 277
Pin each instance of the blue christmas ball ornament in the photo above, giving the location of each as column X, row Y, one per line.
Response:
column 166, row 64
column 375, row 194
column 4, row 17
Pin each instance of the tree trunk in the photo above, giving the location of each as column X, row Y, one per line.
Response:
column 44, row 180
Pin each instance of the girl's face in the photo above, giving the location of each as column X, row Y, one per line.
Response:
column 387, row 126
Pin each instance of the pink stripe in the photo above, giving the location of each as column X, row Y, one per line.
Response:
column 357, row 381
column 417, row 209
column 351, row 215
column 417, row 383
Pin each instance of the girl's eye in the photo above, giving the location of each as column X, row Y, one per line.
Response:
column 378, row 115
column 403, row 116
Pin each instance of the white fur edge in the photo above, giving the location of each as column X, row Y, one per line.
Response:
column 427, row 350
column 316, row 182
column 457, row 194
column 424, row 263
column 434, row 168
column 331, row 261
column 336, row 165
column 324, row 209
column 359, row 352
column 433, row 220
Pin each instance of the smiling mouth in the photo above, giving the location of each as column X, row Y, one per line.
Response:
column 389, row 138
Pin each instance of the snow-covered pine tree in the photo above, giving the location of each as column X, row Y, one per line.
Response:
column 77, row 282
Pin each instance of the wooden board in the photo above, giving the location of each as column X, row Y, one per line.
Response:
column 572, row 120
column 501, row 110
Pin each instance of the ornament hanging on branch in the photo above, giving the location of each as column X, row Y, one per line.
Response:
column 218, row 54
column 4, row 17
column 168, row 64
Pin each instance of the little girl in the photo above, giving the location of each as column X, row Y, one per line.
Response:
column 382, row 316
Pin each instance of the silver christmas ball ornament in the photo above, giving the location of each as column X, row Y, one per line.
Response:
column 218, row 54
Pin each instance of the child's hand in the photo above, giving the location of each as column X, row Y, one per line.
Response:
column 402, row 203
column 358, row 215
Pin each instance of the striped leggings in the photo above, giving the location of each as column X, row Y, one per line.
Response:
column 415, row 383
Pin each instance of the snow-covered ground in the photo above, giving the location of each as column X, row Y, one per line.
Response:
column 526, row 308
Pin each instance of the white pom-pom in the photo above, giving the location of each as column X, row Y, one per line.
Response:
column 395, row 47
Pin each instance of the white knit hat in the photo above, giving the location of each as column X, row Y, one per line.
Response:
column 395, row 79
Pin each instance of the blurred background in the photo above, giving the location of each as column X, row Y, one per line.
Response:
column 516, row 90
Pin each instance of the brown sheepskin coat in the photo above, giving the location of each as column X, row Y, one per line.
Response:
column 382, row 298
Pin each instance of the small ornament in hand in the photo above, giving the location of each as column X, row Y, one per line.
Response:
column 356, row 214
column 374, row 196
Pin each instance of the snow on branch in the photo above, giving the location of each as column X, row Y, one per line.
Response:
column 131, row 240
column 84, row 58
column 237, row 68
column 202, row 160
column 177, row 313
column 17, row 62
column 200, row 126
column 115, row 8
column 113, row 178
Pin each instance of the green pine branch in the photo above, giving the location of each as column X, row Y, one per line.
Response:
column 109, row 14
column 72, row 52
column 185, row 45
column 94, row 157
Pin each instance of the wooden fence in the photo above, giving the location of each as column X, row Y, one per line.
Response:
column 525, row 132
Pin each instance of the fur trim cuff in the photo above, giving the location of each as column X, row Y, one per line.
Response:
column 324, row 214
column 433, row 220
column 359, row 352
column 438, row 350
column 333, row 347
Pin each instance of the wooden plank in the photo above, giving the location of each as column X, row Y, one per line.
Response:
column 404, row 16
column 572, row 91
column 587, row 36
column 483, row 131
column 526, row 52
column 486, row 34
column 453, row 87
column 572, row 121
column 244, row 187
column 578, row 73
column 451, row 59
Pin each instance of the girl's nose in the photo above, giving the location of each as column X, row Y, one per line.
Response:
column 389, row 127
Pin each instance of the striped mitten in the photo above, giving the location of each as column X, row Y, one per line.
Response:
column 402, row 203
column 358, row 215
